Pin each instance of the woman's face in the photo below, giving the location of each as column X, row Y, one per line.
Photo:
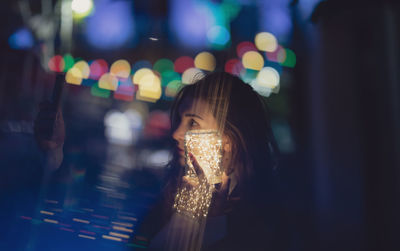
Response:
column 193, row 117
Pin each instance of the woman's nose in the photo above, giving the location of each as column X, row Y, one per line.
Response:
column 179, row 134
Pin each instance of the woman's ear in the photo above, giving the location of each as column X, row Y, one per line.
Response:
column 226, row 144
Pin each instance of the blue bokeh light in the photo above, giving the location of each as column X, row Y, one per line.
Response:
column 112, row 25
column 190, row 21
column 22, row 39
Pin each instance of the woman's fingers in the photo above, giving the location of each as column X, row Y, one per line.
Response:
column 197, row 168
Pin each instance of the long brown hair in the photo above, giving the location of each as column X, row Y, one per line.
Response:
column 243, row 116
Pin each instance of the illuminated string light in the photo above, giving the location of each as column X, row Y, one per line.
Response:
column 253, row 60
column 206, row 146
column 205, row 61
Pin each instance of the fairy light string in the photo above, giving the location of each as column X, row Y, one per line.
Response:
column 206, row 146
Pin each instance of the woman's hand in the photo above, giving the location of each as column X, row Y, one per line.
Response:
column 49, row 127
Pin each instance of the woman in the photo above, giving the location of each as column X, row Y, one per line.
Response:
column 244, row 203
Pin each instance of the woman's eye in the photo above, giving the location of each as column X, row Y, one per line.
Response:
column 193, row 123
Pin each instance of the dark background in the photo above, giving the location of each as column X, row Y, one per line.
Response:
column 336, row 119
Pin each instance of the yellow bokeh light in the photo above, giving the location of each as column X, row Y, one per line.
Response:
column 269, row 77
column 139, row 74
column 83, row 67
column 205, row 61
column 191, row 75
column 266, row 41
column 121, row 69
column 108, row 82
column 81, row 8
column 73, row 76
column 253, row 60
column 149, row 88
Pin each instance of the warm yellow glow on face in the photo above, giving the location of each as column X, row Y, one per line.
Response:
column 205, row 61
column 253, row 60
column 266, row 41
column 121, row 69
column 108, row 82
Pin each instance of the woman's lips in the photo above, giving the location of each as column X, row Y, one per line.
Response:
column 180, row 151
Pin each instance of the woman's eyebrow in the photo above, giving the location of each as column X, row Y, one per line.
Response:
column 192, row 115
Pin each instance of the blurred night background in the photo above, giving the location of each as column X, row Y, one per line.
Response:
column 329, row 71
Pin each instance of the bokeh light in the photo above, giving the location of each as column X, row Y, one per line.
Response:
column 218, row 35
column 267, row 81
column 163, row 65
column 21, row 39
column 118, row 129
column 141, row 64
column 266, row 41
column 268, row 77
column 149, row 88
column 98, row 68
column 168, row 76
column 125, row 90
column 190, row 21
column 172, row 88
column 248, row 75
column 81, row 8
column 120, row 69
column 74, row 76
column 244, row 47
column 69, row 62
column 96, row 91
column 157, row 124
column 253, row 60
column 183, row 63
column 139, row 74
column 56, row 63
column 205, row 61
column 191, row 75
column 290, row 60
column 83, row 67
column 278, row 56
column 108, row 82
column 234, row 66
column 111, row 25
